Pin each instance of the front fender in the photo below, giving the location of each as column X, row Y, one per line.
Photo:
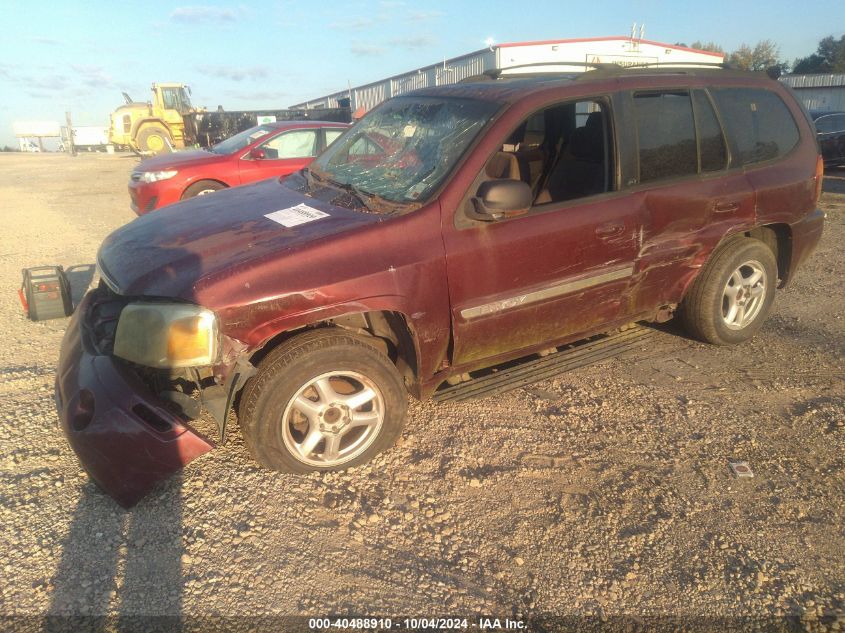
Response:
column 394, row 265
column 429, row 340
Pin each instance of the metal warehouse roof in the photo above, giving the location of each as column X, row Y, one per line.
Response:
column 814, row 81
column 615, row 49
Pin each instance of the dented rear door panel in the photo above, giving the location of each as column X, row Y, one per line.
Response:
column 684, row 222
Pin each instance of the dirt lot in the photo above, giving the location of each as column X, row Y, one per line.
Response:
column 602, row 493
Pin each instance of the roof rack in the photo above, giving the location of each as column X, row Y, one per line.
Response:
column 606, row 67
column 670, row 65
column 496, row 73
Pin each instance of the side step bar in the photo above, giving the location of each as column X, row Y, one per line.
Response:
column 532, row 369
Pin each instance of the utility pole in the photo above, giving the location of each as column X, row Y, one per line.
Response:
column 71, row 148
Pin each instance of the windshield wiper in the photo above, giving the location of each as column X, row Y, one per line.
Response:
column 364, row 197
column 310, row 177
column 313, row 176
column 372, row 202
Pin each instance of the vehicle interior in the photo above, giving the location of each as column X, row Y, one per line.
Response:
column 562, row 153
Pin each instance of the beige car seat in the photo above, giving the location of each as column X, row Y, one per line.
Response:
column 502, row 165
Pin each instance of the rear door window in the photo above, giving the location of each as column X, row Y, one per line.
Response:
column 758, row 123
column 332, row 135
column 711, row 142
column 666, row 133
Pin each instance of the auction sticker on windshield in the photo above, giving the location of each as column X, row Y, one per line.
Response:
column 294, row 216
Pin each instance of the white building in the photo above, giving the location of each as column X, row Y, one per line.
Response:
column 31, row 134
column 625, row 51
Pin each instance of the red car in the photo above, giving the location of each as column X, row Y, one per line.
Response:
column 263, row 151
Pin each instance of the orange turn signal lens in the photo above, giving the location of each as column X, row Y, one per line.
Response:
column 819, row 177
column 191, row 339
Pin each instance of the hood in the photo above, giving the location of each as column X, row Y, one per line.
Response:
column 167, row 253
column 179, row 159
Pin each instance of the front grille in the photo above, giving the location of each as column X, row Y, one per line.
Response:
column 101, row 319
column 99, row 327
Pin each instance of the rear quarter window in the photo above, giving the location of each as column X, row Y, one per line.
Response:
column 759, row 125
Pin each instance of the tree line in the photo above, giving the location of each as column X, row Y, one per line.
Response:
column 765, row 55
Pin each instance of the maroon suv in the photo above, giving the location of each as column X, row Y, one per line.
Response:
column 452, row 229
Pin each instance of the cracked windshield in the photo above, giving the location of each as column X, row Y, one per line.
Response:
column 403, row 151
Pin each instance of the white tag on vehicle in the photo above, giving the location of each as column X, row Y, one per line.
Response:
column 294, row 216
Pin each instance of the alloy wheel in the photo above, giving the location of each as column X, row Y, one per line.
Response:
column 333, row 418
column 744, row 295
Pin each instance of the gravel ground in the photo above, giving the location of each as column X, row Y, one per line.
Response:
column 602, row 493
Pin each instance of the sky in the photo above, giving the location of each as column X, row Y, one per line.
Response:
column 79, row 56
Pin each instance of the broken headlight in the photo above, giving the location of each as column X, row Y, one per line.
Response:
column 167, row 335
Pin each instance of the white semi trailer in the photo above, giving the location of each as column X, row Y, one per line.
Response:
column 90, row 138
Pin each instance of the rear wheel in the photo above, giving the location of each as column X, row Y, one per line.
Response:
column 154, row 139
column 732, row 296
column 324, row 400
column 202, row 188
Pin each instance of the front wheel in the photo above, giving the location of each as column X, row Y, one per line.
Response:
column 155, row 140
column 202, row 188
column 733, row 295
column 324, row 400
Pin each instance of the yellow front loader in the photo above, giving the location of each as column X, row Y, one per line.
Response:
column 161, row 125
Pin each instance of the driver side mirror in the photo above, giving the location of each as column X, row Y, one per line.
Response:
column 256, row 153
column 499, row 199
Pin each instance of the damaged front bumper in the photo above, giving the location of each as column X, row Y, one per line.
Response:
column 127, row 438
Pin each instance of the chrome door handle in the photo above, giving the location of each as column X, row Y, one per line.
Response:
column 726, row 207
column 611, row 229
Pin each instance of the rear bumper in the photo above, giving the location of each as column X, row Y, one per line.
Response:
column 806, row 234
column 124, row 436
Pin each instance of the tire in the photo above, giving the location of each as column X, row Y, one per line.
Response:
column 202, row 188
column 293, row 412
column 154, row 139
column 732, row 296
